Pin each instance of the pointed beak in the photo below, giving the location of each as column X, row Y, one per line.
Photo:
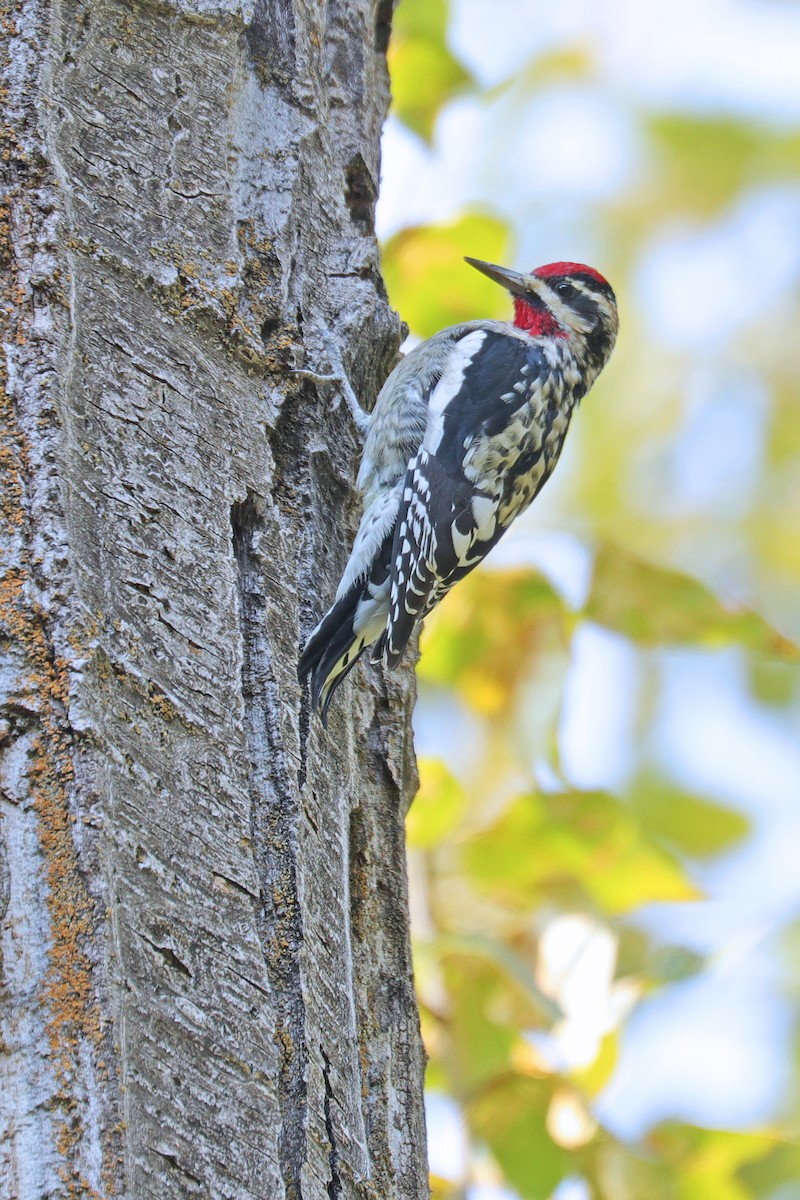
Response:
column 515, row 283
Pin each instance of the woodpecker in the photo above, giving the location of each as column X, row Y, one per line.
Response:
column 464, row 433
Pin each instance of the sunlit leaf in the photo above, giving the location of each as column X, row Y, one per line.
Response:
column 655, row 606
column 784, row 428
column 570, row 844
column 481, row 1044
column 572, row 63
column 776, row 1173
column 592, row 1079
column 619, row 1171
column 710, row 1160
column 655, row 964
column 690, row 824
column 444, row 1189
column 510, row 1116
column 673, row 964
column 512, row 965
column 425, row 77
column 615, row 863
column 421, row 18
column 424, row 72
column 437, row 805
column 773, row 683
column 483, row 639
column 430, row 284
column 707, row 161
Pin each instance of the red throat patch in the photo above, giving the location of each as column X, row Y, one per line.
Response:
column 537, row 322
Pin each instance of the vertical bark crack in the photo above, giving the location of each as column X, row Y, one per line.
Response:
column 335, row 1183
column 274, row 832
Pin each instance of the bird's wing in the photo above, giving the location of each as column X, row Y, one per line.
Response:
column 478, row 458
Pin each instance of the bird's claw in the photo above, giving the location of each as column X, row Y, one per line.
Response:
column 339, row 379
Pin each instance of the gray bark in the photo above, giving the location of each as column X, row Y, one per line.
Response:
column 206, row 975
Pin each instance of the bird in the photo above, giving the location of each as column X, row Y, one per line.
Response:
column 463, row 435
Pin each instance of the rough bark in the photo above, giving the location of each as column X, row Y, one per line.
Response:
column 206, row 977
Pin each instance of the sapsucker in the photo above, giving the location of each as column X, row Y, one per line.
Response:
column 464, row 433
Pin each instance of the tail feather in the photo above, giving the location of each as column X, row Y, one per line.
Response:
column 332, row 650
column 356, row 618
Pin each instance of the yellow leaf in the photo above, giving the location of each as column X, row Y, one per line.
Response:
column 430, row 284
column 424, row 73
column 654, row 605
column 437, row 806
column 592, row 1079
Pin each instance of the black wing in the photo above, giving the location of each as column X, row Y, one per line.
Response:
column 482, row 438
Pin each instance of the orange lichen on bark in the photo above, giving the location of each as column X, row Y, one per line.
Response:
column 72, row 1015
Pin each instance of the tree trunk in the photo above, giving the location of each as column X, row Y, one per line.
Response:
column 206, row 974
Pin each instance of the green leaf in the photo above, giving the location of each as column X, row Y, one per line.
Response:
column 775, row 1173
column 483, row 639
column 656, row 606
column 430, row 284
column 444, row 1189
column 710, row 1161
column 654, row 963
column 480, row 1041
column 510, row 1117
column 573, row 844
column 706, row 163
column 593, row 1078
column 424, row 73
column 513, row 966
column 771, row 682
column 693, row 826
column 421, row 18
column 424, row 77
column 619, row 1171
column 437, row 806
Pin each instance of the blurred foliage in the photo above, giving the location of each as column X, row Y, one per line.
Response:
column 704, row 162
column 527, row 888
column 424, row 72
column 472, row 651
column 589, row 852
column 658, row 607
column 432, row 253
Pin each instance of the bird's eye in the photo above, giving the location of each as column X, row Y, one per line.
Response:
column 565, row 288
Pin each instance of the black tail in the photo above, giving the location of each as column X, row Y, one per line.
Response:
column 332, row 650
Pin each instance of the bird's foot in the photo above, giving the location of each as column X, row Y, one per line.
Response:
column 338, row 378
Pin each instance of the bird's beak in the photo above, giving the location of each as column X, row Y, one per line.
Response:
column 515, row 283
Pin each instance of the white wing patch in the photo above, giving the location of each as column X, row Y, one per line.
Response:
column 484, row 510
column 462, row 543
column 459, row 358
